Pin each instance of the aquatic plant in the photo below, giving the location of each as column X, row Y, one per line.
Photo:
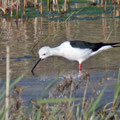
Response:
column 61, row 104
column 18, row 9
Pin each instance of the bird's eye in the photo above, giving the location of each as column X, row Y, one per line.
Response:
column 44, row 54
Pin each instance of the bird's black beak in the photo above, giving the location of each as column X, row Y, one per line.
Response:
column 35, row 65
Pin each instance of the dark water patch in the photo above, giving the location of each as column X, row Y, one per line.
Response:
column 33, row 87
column 78, row 1
column 19, row 58
column 88, row 10
column 73, row 12
column 79, row 18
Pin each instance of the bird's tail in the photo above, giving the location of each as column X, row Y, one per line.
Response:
column 114, row 44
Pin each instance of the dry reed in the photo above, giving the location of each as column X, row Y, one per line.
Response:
column 7, row 81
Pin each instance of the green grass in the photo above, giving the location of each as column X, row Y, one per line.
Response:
column 88, row 10
column 66, row 106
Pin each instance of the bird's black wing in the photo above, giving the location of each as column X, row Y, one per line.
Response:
column 84, row 45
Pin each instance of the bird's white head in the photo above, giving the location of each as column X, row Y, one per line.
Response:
column 44, row 52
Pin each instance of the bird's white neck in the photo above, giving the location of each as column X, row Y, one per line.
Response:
column 56, row 51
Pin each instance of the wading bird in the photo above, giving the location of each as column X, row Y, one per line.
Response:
column 74, row 50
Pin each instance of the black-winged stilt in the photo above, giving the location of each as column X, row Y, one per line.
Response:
column 74, row 50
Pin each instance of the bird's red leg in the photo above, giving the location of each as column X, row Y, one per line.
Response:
column 80, row 67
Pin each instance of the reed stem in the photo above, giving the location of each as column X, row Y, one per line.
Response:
column 7, row 82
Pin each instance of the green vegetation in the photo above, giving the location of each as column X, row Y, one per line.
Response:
column 59, row 10
column 61, row 104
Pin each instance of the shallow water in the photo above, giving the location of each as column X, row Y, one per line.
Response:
column 26, row 36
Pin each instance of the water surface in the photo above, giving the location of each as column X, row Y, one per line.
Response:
column 26, row 36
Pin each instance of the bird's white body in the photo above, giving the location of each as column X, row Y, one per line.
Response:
column 71, row 53
column 74, row 54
